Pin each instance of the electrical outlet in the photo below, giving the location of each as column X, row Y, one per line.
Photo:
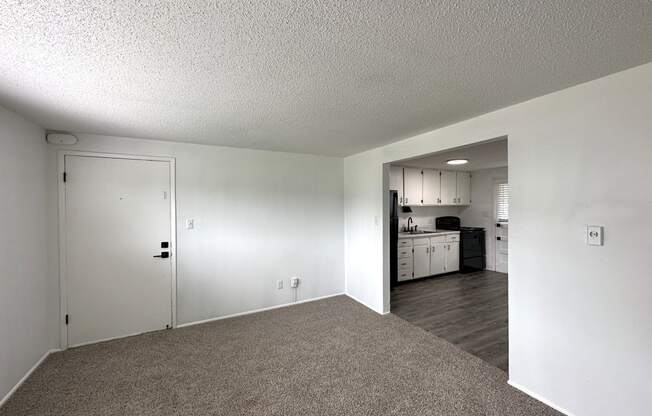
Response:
column 594, row 235
column 294, row 282
column 279, row 284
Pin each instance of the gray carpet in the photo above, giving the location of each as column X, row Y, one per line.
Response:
column 331, row 357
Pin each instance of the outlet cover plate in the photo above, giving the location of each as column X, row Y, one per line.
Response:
column 594, row 235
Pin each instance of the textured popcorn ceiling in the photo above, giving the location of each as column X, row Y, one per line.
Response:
column 325, row 77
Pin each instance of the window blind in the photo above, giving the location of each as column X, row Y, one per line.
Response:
column 502, row 202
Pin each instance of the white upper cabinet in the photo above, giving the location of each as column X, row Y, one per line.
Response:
column 448, row 188
column 413, row 186
column 431, row 187
column 396, row 182
column 463, row 188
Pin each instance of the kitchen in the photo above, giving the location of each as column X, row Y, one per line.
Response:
column 448, row 246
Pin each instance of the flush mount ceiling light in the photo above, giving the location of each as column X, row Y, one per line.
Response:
column 457, row 161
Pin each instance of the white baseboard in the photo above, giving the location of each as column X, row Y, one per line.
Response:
column 26, row 376
column 539, row 398
column 269, row 308
column 365, row 304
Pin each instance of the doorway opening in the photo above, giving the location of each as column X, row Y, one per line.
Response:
column 449, row 221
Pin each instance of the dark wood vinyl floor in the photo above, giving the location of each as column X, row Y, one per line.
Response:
column 468, row 310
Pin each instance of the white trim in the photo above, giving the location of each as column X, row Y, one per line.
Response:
column 63, row 289
column 26, row 376
column 366, row 304
column 539, row 398
column 97, row 341
column 269, row 308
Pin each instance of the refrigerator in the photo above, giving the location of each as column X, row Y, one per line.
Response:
column 393, row 237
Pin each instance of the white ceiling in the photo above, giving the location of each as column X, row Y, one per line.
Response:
column 324, row 77
column 483, row 156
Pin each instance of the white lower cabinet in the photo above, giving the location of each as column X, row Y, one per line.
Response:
column 452, row 257
column 437, row 258
column 405, row 259
column 421, row 257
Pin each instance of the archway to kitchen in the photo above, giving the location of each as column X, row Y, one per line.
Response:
column 448, row 245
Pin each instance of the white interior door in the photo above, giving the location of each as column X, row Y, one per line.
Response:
column 118, row 214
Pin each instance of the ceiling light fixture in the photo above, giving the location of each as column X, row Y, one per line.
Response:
column 457, row 161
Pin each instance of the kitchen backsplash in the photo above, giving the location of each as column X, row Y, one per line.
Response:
column 424, row 217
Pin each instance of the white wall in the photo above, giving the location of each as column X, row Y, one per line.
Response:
column 425, row 217
column 259, row 217
column 580, row 317
column 25, row 335
column 481, row 212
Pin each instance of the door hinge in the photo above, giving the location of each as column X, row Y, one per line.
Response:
column 65, row 176
column 67, row 319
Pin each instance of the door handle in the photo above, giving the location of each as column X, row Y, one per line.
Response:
column 163, row 255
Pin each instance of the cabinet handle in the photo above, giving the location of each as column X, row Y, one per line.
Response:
column 427, row 249
column 406, row 200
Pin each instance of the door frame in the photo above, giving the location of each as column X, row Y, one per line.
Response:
column 496, row 182
column 63, row 286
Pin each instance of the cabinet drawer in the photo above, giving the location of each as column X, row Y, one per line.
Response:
column 405, row 252
column 405, row 264
column 438, row 239
column 405, row 243
column 452, row 237
column 404, row 275
column 421, row 241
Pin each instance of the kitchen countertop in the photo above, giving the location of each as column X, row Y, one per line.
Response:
column 428, row 234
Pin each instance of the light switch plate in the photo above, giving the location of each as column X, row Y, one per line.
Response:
column 190, row 224
column 594, row 235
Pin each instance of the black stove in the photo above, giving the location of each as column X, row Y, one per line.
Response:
column 472, row 243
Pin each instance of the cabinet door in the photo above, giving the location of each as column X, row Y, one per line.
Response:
column 431, row 187
column 412, row 186
column 437, row 258
column 452, row 257
column 463, row 188
column 396, row 181
column 448, row 188
column 421, row 258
